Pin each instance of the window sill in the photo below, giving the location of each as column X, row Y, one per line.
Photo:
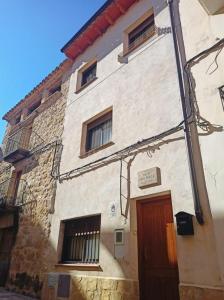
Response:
column 78, row 90
column 90, row 152
column 80, row 267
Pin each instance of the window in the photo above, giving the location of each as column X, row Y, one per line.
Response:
column 213, row 7
column 139, row 32
column 34, row 107
column 86, row 75
column 81, row 240
column 55, row 89
column 18, row 119
column 97, row 132
column 221, row 92
column 89, row 74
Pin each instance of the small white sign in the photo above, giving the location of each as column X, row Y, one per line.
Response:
column 113, row 210
column 148, row 178
column 52, row 279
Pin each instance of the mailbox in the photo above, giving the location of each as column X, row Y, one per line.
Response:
column 184, row 223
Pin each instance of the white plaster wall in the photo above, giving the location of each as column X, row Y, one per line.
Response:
column 145, row 98
column 200, row 32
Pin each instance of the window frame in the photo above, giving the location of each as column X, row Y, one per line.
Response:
column 18, row 119
column 34, row 107
column 90, row 124
column 85, row 233
column 133, row 27
column 79, row 85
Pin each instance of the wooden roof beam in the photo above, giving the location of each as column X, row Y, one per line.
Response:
column 109, row 19
column 120, row 7
column 96, row 28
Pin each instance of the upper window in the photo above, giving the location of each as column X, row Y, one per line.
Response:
column 89, row 74
column 34, row 107
column 17, row 119
column 139, row 32
column 213, row 7
column 97, row 132
column 55, row 89
column 86, row 75
column 81, row 240
column 221, row 92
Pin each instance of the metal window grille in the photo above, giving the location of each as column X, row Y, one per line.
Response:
column 141, row 33
column 221, row 92
column 81, row 240
column 89, row 74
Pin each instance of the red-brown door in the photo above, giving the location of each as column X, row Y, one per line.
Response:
column 158, row 271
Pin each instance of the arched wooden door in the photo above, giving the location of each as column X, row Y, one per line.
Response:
column 158, row 271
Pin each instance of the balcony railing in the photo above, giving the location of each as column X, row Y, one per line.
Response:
column 17, row 145
column 9, row 198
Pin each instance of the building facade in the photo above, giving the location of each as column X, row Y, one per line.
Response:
column 27, row 185
column 130, row 168
column 129, row 205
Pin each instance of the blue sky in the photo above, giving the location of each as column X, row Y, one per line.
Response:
column 32, row 32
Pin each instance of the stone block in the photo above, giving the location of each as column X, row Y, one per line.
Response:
column 116, row 296
column 198, row 293
column 92, row 284
column 105, row 295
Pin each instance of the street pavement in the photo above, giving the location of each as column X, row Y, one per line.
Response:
column 5, row 295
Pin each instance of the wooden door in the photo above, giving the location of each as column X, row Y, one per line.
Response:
column 7, row 236
column 158, row 272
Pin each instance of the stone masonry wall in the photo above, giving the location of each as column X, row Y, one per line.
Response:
column 5, row 171
column 95, row 288
column 33, row 255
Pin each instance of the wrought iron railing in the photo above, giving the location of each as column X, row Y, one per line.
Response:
column 9, row 197
column 18, row 140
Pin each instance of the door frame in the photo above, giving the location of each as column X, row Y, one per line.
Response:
column 144, row 199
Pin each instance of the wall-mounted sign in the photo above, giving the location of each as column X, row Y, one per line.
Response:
column 113, row 210
column 148, row 178
column 52, row 279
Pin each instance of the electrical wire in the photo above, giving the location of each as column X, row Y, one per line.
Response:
column 121, row 154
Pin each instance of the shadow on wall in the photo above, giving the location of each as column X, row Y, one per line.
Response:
column 32, row 254
column 33, row 257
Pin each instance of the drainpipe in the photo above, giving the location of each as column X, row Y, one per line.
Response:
column 197, row 204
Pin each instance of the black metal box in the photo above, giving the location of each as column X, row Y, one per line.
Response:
column 184, row 223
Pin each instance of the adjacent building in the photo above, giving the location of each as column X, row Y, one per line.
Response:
column 27, row 186
column 128, row 174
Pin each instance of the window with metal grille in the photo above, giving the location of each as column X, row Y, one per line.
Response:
column 141, row 33
column 89, row 74
column 99, row 132
column 221, row 92
column 82, row 240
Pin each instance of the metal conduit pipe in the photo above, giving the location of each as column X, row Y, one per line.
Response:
column 194, row 183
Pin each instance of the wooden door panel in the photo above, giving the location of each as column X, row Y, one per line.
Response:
column 158, row 272
column 6, row 244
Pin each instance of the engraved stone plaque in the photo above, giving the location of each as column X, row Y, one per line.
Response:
column 52, row 280
column 148, row 178
column 63, row 286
